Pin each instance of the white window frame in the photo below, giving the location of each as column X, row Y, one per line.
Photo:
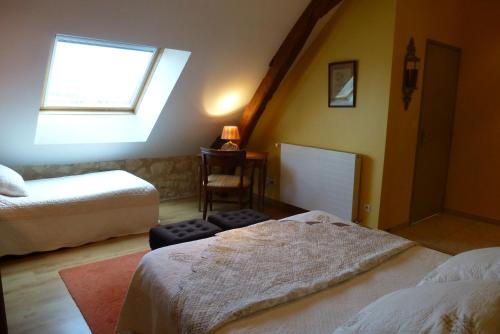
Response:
column 98, row 42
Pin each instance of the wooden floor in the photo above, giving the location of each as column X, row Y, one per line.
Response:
column 451, row 234
column 37, row 300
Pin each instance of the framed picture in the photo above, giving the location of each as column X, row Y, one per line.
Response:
column 342, row 80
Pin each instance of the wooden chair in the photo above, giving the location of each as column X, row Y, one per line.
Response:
column 218, row 170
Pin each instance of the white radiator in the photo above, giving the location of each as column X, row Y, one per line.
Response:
column 318, row 179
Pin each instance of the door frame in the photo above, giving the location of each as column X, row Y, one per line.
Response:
column 428, row 43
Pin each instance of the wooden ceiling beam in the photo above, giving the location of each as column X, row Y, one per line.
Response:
column 281, row 63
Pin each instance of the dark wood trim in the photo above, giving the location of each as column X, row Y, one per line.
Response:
column 281, row 63
column 3, row 317
column 441, row 44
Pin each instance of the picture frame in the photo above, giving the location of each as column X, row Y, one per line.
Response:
column 342, row 82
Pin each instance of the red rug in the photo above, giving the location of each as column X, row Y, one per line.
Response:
column 99, row 289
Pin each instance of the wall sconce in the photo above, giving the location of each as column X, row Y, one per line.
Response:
column 410, row 72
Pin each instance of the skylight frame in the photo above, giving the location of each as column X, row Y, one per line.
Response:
column 104, row 43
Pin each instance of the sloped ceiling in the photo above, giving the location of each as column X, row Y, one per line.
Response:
column 232, row 42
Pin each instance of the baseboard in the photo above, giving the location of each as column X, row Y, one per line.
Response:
column 472, row 216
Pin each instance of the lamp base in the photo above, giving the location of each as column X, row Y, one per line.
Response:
column 230, row 146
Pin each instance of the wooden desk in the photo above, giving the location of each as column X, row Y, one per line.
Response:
column 259, row 159
column 259, row 162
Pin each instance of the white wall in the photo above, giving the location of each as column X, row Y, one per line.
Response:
column 231, row 42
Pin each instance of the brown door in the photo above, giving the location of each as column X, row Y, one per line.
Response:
column 435, row 129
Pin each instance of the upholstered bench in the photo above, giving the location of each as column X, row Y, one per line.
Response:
column 236, row 219
column 184, row 231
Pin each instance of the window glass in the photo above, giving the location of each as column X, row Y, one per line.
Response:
column 87, row 74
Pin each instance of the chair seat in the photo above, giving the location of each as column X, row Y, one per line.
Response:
column 226, row 181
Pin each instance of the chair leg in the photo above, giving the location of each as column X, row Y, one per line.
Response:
column 240, row 198
column 199, row 199
column 250, row 200
column 200, row 187
column 205, row 204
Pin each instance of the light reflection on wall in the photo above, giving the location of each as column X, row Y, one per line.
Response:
column 225, row 104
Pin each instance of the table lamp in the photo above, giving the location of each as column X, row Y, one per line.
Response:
column 230, row 133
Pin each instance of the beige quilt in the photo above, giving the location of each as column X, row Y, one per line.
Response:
column 247, row 270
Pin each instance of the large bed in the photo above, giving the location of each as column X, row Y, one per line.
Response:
column 74, row 210
column 147, row 308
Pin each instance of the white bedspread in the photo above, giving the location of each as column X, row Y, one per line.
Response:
column 74, row 210
column 78, row 194
column 160, row 273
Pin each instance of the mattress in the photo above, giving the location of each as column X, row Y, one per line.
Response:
column 158, row 275
column 74, row 210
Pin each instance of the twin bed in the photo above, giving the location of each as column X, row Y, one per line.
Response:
column 160, row 298
column 74, row 210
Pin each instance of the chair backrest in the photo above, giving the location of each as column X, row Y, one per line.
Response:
column 226, row 162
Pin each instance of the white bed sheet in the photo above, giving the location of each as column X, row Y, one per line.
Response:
column 158, row 275
column 74, row 210
column 78, row 194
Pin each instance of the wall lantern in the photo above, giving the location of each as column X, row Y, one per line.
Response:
column 410, row 72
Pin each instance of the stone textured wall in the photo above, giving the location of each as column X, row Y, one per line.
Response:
column 174, row 177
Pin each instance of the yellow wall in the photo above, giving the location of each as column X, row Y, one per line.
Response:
column 422, row 19
column 299, row 113
column 376, row 33
column 474, row 180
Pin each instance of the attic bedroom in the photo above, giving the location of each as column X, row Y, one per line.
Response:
column 266, row 166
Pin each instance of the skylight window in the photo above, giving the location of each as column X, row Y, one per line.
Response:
column 94, row 75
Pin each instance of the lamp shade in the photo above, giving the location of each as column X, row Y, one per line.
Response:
column 230, row 133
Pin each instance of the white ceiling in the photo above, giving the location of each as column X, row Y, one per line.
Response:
column 232, row 42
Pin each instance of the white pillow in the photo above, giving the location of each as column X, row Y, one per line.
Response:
column 479, row 264
column 454, row 307
column 11, row 183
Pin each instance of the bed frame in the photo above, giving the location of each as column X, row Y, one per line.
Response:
column 3, row 317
